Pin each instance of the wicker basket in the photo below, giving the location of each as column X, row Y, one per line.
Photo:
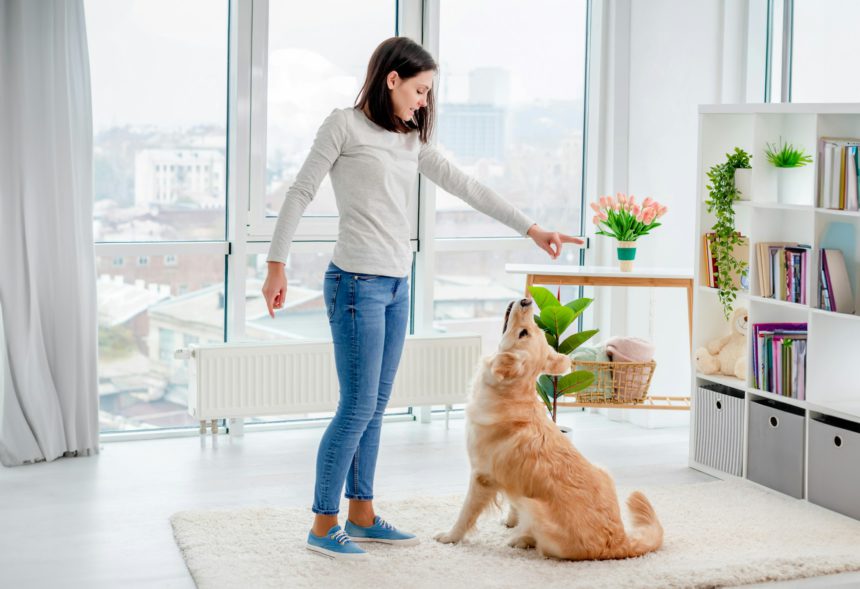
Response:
column 615, row 382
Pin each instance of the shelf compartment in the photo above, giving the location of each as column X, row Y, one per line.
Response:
column 776, row 437
column 719, row 428
column 781, row 226
column 834, row 464
column 843, row 233
column 800, row 130
column 832, row 358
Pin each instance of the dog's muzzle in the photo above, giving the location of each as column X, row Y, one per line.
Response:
column 523, row 303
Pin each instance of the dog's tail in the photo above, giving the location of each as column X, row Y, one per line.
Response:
column 647, row 533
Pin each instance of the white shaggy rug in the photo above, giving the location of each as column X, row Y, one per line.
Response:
column 716, row 534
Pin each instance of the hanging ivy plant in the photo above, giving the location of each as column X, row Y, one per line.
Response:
column 722, row 195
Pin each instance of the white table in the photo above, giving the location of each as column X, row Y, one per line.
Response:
column 556, row 274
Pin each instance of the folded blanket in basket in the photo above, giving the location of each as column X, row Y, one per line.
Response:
column 601, row 389
column 630, row 384
column 590, row 354
column 629, row 349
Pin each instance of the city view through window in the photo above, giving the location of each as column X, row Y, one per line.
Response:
column 160, row 170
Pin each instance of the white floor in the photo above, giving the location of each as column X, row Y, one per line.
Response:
column 103, row 521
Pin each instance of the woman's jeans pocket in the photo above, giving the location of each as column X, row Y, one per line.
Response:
column 330, row 288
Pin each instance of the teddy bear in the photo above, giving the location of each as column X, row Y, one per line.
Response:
column 728, row 354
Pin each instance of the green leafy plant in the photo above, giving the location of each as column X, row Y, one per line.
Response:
column 554, row 319
column 786, row 156
column 721, row 197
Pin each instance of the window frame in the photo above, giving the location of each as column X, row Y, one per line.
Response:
column 260, row 226
column 248, row 231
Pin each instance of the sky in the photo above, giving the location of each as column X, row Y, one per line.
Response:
column 164, row 62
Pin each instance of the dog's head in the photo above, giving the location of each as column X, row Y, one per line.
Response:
column 524, row 352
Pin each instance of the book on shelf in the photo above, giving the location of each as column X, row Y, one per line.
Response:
column 838, row 171
column 835, row 293
column 740, row 251
column 782, row 268
column 779, row 358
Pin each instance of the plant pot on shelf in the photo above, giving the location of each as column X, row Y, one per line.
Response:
column 626, row 254
column 743, row 183
column 789, row 185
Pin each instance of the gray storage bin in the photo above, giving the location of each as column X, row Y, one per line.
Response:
column 719, row 423
column 775, row 448
column 834, row 465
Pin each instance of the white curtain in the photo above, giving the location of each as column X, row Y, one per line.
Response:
column 49, row 391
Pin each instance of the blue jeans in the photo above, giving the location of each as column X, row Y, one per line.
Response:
column 368, row 316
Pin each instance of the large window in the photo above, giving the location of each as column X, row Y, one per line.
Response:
column 823, row 46
column 510, row 114
column 809, row 43
column 145, row 314
column 159, row 88
column 511, row 108
column 317, row 59
column 162, row 72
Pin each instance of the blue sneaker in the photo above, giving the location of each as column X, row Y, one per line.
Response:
column 335, row 544
column 380, row 531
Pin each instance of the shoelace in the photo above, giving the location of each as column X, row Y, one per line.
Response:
column 384, row 524
column 340, row 537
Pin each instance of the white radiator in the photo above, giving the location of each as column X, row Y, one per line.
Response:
column 259, row 379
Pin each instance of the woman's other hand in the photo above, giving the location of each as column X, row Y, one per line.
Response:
column 551, row 241
column 275, row 287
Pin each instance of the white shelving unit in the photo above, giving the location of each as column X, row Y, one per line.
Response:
column 833, row 362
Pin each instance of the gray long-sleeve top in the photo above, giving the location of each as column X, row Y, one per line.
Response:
column 373, row 172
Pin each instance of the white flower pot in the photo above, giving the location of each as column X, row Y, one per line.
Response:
column 743, row 183
column 790, row 186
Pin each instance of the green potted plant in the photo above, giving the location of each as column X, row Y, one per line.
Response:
column 554, row 319
column 722, row 194
column 626, row 220
column 787, row 160
column 743, row 177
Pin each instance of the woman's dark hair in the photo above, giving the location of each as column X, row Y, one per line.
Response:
column 408, row 59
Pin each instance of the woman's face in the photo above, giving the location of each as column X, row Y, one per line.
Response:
column 409, row 94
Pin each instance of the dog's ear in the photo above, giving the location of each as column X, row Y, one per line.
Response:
column 507, row 365
column 556, row 364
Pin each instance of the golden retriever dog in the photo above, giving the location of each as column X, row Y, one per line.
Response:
column 561, row 504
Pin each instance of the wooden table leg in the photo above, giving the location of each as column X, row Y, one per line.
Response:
column 530, row 279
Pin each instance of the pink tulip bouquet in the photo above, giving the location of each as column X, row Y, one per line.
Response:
column 624, row 219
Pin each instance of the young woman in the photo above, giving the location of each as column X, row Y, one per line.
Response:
column 373, row 153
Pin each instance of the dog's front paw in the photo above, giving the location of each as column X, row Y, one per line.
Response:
column 447, row 538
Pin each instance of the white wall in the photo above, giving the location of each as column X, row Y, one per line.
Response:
column 674, row 49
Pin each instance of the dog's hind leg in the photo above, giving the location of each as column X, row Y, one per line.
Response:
column 522, row 539
column 513, row 517
column 482, row 491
